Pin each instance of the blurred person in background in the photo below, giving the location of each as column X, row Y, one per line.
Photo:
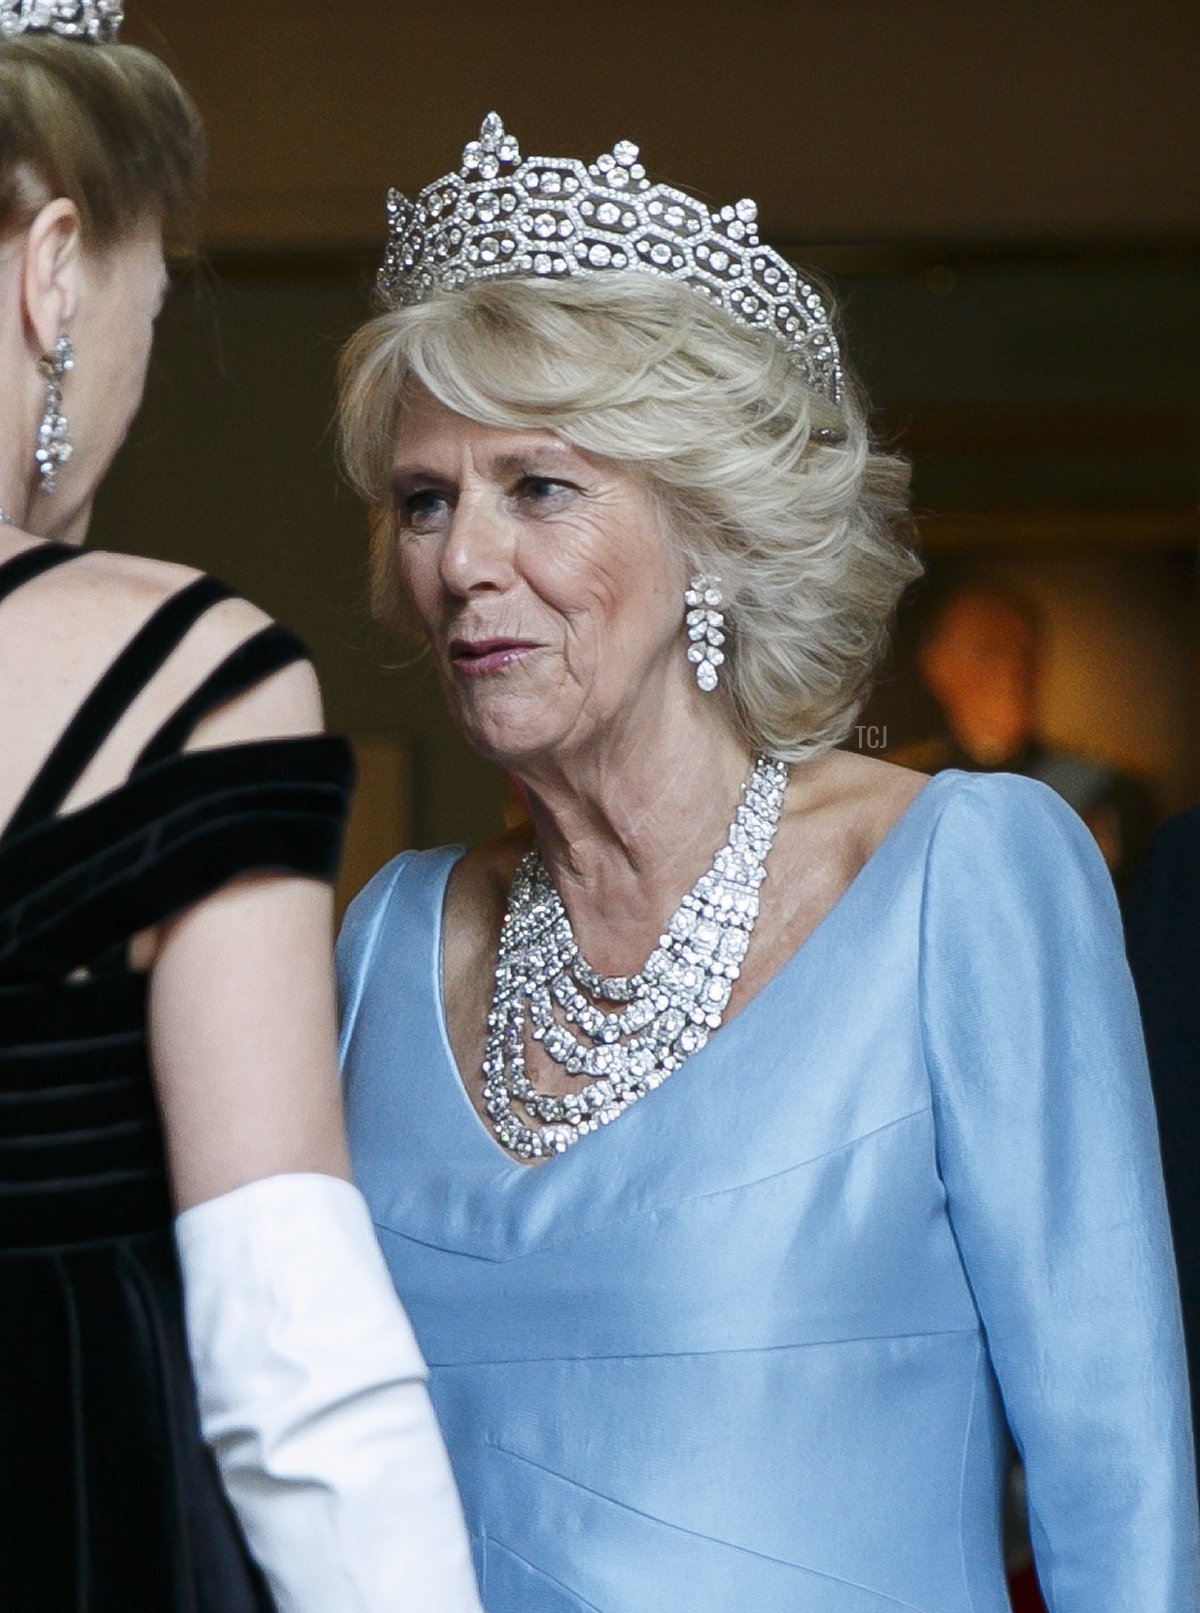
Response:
column 981, row 653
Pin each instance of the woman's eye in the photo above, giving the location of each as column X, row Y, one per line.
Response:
column 543, row 489
column 422, row 511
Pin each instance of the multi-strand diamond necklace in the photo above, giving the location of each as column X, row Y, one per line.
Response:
column 660, row 1016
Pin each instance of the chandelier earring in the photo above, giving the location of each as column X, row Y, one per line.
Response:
column 705, row 629
column 54, row 446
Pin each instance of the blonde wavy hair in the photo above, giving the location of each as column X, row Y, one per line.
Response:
column 761, row 481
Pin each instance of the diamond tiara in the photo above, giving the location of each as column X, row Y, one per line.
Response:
column 98, row 20
column 558, row 217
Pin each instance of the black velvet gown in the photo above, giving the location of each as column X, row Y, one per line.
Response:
column 109, row 1501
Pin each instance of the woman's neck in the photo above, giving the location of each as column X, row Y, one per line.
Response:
column 14, row 490
column 626, row 831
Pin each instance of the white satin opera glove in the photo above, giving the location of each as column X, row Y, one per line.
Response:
column 312, row 1396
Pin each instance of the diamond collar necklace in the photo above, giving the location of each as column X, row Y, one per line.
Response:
column 658, row 1017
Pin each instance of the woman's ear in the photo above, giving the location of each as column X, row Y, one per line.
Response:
column 53, row 276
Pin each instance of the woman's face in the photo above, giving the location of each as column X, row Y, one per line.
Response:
column 541, row 576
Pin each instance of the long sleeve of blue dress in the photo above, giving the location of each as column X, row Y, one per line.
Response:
column 1048, row 1151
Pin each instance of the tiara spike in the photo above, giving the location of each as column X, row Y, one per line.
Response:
column 96, row 20
column 556, row 217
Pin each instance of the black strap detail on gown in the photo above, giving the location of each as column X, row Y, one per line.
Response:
column 183, row 822
column 175, row 833
column 31, row 563
column 110, row 699
column 268, row 651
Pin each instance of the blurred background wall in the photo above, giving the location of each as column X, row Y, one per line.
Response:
column 1005, row 197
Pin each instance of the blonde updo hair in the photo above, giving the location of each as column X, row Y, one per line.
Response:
column 104, row 126
column 760, row 480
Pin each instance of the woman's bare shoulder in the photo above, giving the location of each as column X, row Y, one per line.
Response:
column 102, row 597
column 76, row 619
column 133, row 575
column 120, row 587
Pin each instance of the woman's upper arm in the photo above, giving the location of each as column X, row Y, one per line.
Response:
column 285, row 703
column 1048, row 1151
column 242, row 1031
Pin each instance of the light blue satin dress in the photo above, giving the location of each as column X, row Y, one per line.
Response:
column 754, row 1347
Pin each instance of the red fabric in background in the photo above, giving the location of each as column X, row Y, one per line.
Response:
column 1023, row 1592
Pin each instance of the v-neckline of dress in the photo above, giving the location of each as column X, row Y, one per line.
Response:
column 720, row 1038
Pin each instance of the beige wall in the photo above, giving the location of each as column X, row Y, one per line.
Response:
column 856, row 120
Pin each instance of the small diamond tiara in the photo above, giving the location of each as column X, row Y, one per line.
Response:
column 558, row 217
column 98, row 20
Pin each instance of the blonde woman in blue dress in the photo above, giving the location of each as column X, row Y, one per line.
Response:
column 759, row 1138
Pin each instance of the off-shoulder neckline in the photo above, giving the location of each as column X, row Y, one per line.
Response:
column 208, row 756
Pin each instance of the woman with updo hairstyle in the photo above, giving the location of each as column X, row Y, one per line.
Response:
column 759, row 1136
column 170, row 818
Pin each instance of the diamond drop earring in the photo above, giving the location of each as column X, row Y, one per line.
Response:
column 705, row 629
column 54, row 446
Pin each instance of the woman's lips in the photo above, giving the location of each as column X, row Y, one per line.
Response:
column 477, row 658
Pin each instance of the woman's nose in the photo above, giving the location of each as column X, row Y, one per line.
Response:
column 478, row 551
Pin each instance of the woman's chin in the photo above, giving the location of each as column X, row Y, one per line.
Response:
column 510, row 739
column 503, row 718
